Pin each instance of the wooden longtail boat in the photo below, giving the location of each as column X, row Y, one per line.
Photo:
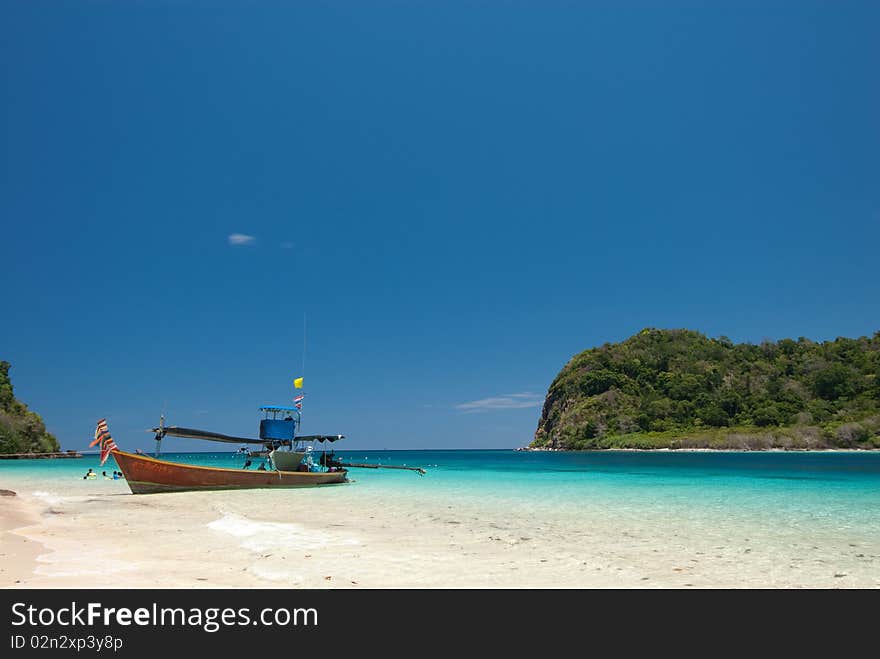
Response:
column 288, row 459
column 146, row 475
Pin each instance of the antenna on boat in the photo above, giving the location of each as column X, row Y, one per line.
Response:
column 302, row 372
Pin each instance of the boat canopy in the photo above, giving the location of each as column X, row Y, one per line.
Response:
column 319, row 438
column 191, row 433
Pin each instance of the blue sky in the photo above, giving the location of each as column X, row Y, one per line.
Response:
column 459, row 196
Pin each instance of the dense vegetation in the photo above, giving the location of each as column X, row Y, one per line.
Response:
column 680, row 389
column 21, row 431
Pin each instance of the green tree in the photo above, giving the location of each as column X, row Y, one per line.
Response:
column 21, row 430
column 833, row 382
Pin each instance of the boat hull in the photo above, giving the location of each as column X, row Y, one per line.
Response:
column 287, row 460
column 146, row 475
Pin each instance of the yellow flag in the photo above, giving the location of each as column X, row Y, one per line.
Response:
column 298, row 383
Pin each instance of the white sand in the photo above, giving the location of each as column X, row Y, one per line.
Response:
column 18, row 553
column 97, row 535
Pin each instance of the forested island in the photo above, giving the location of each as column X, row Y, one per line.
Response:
column 21, row 430
column 679, row 389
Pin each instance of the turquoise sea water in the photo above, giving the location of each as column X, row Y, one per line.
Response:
column 789, row 519
column 838, row 489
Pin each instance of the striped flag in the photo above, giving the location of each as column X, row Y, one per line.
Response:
column 299, row 398
column 102, row 436
column 100, row 432
column 299, row 406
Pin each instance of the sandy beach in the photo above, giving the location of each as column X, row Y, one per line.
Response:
column 96, row 535
column 18, row 553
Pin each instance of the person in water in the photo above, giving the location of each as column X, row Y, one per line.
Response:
column 247, row 464
column 90, row 474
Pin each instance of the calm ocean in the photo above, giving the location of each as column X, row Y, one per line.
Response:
column 828, row 489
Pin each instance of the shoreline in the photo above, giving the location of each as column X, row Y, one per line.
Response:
column 56, row 455
column 527, row 449
column 556, row 530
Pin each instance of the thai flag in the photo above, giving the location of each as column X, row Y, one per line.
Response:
column 299, row 398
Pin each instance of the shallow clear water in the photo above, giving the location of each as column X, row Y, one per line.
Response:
column 545, row 518
column 832, row 488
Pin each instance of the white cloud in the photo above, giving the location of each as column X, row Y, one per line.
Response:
column 505, row 402
column 240, row 239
